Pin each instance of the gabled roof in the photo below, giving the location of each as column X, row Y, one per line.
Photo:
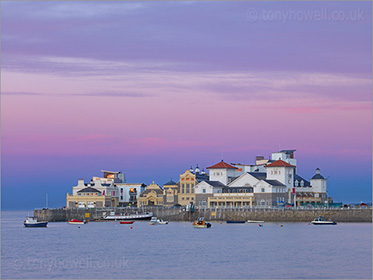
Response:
column 300, row 179
column 214, row 184
column 275, row 183
column 222, row 165
column 258, row 175
column 89, row 190
column 279, row 163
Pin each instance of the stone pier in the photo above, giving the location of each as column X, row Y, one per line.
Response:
column 213, row 214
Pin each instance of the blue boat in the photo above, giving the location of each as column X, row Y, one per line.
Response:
column 33, row 222
column 235, row 222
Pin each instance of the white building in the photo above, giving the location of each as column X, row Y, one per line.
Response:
column 129, row 193
column 272, row 181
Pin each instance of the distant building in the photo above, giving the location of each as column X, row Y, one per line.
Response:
column 111, row 190
column 129, row 193
column 96, row 194
column 187, row 182
column 170, row 193
column 153, row 195
column 268, row 183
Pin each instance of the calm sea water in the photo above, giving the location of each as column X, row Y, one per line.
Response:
column 106, row 250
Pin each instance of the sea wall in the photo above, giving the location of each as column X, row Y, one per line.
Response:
column 213, row 214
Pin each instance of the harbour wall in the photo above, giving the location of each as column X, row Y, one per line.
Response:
column 212, row 214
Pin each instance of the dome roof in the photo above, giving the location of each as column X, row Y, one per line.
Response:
column 318, row 176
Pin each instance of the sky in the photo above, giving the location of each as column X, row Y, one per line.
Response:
column 153, row 88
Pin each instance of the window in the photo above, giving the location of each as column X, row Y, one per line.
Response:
column 182, row 188
column 263, row 190
column 187, row 188
column 204, row 190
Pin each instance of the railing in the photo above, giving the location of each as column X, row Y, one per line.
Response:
column 234, row 194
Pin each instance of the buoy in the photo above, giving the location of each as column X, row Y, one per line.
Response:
column 131, row 227
column 260, row 225
column 282, row 225
column 78, row 227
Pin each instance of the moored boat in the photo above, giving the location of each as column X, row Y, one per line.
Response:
column 161, row 222
column 76, row 222
column 153, row 221
column 253, row 221
column 201, row 223
column 126, row 222
column 33, row 222
column 145, row 216
column 235, row 222
column 321, row 221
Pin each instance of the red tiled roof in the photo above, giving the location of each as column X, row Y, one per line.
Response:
column 279, row 163
column 223, row 165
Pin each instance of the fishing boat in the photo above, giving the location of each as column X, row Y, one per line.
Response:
column 76, row 222
column 136, row 216
column 235, row 222
column 201, row 223
column 126, row 222
column 321, row 221
column 253, row 221
column 33, row 222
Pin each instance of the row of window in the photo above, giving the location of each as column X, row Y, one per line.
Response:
column 187, row 188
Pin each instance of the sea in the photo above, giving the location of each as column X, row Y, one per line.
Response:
column 109, row 250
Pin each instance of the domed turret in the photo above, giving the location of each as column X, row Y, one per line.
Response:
column 318, row 175
column 203, row 172
column 197, row 169
column 191, row 169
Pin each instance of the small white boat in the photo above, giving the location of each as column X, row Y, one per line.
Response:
column 156, row 221
column 76, row 222
column 321, row 221
column 255, row 222
column 33, row 222
column 161, row 222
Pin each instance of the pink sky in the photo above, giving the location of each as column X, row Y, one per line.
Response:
column 144, row 85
